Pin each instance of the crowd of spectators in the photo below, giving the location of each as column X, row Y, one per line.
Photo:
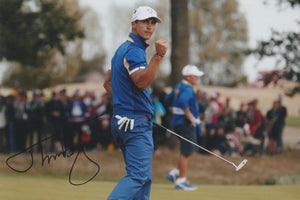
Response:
column 243, row 131
column 226, row 131
column 69, row 121
column 77, row 120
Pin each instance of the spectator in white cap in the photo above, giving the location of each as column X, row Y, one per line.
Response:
column 128, row 83
column 186, row 122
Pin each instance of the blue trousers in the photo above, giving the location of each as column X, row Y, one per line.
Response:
column 137, row 149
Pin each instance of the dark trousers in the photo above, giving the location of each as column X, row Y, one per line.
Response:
column 56, row 130
column 4, row 140
column 36, row 127
column 20, row 133
column 74, row 132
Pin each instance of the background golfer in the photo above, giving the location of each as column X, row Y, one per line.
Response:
column 186, row 121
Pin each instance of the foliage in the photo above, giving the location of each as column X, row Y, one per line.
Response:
column 220, row 34
column 292, row 3
column 44, row 43
column 284, row 46
column 28, row 36
column 293, row 179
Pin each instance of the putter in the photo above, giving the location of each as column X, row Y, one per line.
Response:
column 237, row 167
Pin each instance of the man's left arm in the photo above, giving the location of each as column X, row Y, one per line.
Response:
column 190, row 116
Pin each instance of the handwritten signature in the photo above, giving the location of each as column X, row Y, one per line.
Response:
column 47, row 158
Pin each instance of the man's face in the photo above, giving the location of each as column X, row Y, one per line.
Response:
column 276, row 104
column 250, row 107
column 144, row 28
column 193, row 80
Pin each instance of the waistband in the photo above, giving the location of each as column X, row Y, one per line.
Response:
column 133, row 114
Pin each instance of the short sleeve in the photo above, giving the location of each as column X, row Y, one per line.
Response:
column 135, row 59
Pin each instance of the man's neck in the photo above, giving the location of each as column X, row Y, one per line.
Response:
column 134, row 33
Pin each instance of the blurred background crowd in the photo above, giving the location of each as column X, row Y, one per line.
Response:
column 83, row 119
column 69, row 121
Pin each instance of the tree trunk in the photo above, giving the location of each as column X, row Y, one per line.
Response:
column 180, row 38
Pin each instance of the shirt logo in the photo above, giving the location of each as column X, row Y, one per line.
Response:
column 176, row 93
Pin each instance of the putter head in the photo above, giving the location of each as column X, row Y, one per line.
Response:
column 241, row 165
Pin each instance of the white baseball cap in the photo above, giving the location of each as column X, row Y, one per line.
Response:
column 191, row 70
column 144, row 12
column 213, row 95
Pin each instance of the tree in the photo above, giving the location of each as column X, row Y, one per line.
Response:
column 32, row 36
column 44, row 43
column 85, row 55
column 285, row 47
column 27, row 36
column 219, row 38
column 180, row 38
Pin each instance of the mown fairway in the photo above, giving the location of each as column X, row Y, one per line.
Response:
column 26, row 187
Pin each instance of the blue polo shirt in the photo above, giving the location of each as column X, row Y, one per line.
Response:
column 127, row 97
column 182, row 97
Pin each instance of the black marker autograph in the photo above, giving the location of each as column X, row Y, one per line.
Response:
column 47, row 158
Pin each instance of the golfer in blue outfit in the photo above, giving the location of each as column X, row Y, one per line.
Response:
column 128, row 82
column 186, row 122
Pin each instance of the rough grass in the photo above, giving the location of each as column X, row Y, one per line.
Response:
column 203, row 169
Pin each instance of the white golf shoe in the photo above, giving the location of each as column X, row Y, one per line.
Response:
column 181, row 184
column 173, row 175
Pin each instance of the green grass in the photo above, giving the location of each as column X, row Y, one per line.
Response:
column 26, row 187
column 293, row 121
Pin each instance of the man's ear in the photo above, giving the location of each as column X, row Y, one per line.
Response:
column 133, row 24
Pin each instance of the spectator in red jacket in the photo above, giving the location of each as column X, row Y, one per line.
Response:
column 254, row 117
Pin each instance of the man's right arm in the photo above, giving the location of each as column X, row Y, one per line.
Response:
column 107, row 83
column 144, row 77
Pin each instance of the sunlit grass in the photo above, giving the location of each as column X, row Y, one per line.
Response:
column 25, row 187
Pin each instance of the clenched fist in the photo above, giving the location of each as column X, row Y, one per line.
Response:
column 161, row 47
